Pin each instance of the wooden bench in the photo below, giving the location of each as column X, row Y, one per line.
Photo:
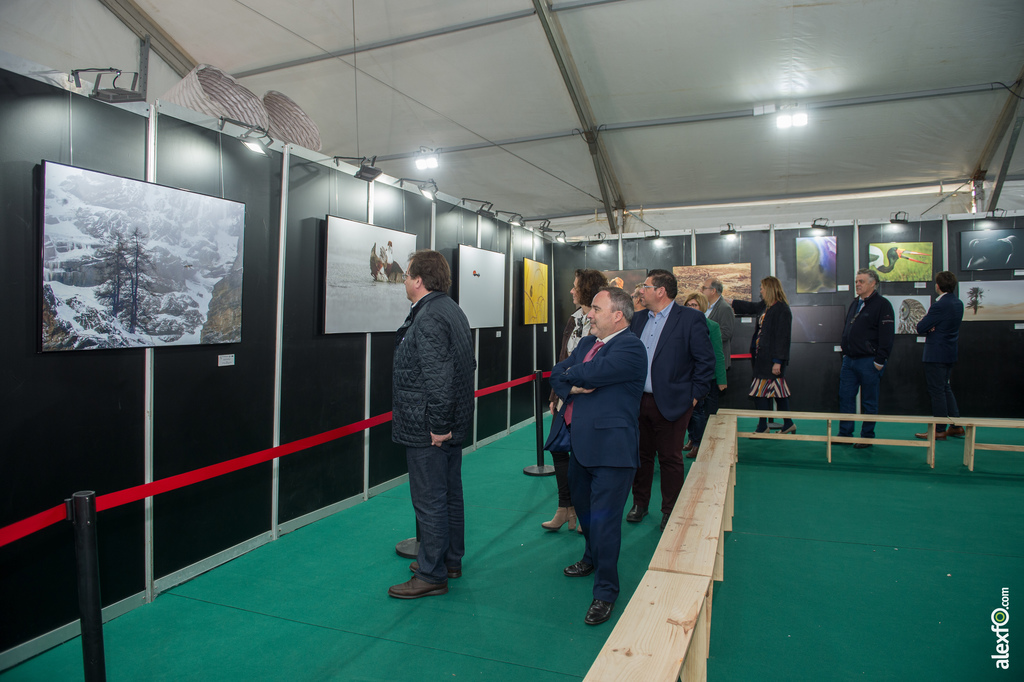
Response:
column 970, row 425
column 664, row 633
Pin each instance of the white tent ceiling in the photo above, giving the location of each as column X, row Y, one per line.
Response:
column 900, row 93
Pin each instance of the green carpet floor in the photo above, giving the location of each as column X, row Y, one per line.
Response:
column 874, row 567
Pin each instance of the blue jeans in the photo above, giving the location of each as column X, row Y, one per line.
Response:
column 435, row 483
column 859, row 373
column 936, row 375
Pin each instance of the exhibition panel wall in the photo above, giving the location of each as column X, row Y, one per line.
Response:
column 71, row 421
column 205, row 413
column 987, row 373
column 78, row 421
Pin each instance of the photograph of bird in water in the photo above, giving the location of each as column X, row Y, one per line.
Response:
column 901, row 261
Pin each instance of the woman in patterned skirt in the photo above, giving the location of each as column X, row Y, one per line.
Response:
column 769, row 350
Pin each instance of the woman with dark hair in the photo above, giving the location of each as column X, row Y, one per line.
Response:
column 585, row 285
column 769, row 350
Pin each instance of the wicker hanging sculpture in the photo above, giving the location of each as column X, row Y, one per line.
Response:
column 209, row 90
column 290, row 123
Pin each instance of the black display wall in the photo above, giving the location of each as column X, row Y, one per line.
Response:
column 409, row 212
column 72, row 420
column 323, row 375
column 813, row 371
column 903, row 389
column 988, row 374
column 526, row 337
column 205, row 414
column 492, row 410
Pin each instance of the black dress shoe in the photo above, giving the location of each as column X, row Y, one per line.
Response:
column 861, row 446
column 578, row 570
column 599, row 612
column 636, row 514
column 664, row 520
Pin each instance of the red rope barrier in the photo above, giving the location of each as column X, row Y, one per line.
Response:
column 37, row 522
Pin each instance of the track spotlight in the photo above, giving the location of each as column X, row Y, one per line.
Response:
column 900, row 218
column 514, row 219
column 427, row 188
column 367, row 171
column 426, row 159
column 729, row 232
column 253, row 136
column 485, row 207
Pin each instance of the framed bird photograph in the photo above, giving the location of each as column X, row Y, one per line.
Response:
column 901, row 261
column 909, row 311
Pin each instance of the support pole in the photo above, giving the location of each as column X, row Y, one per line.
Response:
column 539, row 469
column 82, row 514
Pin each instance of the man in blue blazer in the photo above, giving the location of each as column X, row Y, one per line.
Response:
column 681, row 371
column 601, row 382
column 940, row 328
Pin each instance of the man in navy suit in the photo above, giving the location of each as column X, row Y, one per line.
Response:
column 601, row 382
column 681, row 371
column 940, row 328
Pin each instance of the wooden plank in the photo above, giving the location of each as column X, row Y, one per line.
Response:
column 689, row 543
column 719, row 441
column 828, row 440
column 655, row 631
column 931, row 445
column 695, row 665
column 1001, row 447
column 969, row 437
column 893, row 418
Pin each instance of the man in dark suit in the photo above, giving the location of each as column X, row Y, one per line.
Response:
column 601, row 382
column 940, row 328
column 681, row 371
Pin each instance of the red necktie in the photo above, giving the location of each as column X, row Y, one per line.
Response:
column 590, row 356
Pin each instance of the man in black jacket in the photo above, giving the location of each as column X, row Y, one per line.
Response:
column 868, row 336
column 432, row 403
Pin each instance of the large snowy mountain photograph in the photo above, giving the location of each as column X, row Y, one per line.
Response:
column 130, row 264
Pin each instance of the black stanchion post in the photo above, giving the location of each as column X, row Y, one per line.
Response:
column 539, row 469
column 82, row 514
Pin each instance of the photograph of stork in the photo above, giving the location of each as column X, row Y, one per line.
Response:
column 991, row 301
column 815, row 265
column 909, row 311
column 901, row 261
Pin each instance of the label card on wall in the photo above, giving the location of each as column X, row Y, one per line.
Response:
column 843, row 287
column 746, row 320
column 920, row 285
column 920, row 339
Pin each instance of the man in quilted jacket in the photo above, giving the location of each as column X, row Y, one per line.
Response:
column 432, row 403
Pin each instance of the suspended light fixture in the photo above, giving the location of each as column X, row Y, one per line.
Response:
column 900, row 218
column 427, row 159
column 791, row 117
column 729, row 232
column 819, row 225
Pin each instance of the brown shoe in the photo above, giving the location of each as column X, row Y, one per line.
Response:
column 416, row 588
column 452, row 572
column 688, row 447
column 939, row 435
column 957, row 431
column 692, row 454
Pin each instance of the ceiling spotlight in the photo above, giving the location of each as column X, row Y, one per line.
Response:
column 254, row 144
column 655, row 233
column 560, row 236
column 799, row 119
column 818, row 225
column 792, row 117
column 784, row 121
column 729, row 232
column 426, row 159
column 900, row 218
